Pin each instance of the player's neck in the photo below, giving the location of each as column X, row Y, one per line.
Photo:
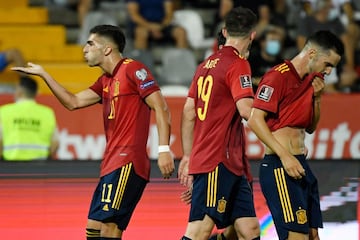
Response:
column 240, row 45
column 110, row 63
column 300, row 64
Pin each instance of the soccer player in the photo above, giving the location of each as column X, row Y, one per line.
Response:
column 286, row 105
column 214, row 160
column 128, row 92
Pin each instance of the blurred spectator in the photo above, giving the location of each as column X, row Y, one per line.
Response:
column 28, row 130
column 98, row 12
column 287, row 14
column 345, row 11
column 268, row 54
column 262, row 8
column 321, row 19
column 152, row 20
column 81, row 6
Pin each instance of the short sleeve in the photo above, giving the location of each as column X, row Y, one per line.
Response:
column 269, row 93
column 97, row 87
column 192, row 89
column 238, row 78
column 144, row 80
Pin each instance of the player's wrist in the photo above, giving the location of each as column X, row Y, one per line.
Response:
column 164, row 149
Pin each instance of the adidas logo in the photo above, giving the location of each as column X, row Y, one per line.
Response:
column 106, row 207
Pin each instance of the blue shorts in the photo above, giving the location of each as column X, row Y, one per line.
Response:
column 221, row 195
column 294, row 203
column 116, row 196
column 3, row 61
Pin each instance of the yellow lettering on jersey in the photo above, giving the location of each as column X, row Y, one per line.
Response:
column 115, row 98
column 204, row 92
column 283, row 68
column 116, row 88
column 211, row 63
column 128, row 60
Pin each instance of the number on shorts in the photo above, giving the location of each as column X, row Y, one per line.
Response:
column 106, row 193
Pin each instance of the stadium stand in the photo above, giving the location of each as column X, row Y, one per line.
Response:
column 25, row 25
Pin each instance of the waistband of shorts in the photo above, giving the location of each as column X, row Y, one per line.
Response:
column 271, row 157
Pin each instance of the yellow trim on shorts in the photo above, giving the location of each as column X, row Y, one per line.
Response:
column 212, row 188
column 283, row 195
column 124, row 176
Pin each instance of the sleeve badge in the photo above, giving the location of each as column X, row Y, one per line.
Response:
column 245, row 81
column 265, row 93
column 141, row 74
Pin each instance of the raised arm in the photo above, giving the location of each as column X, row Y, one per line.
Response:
column 162, row 115
column 71, row 101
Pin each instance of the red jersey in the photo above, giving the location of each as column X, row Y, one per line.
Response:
column 219, row 82
column 286, row 97
column 126, row 116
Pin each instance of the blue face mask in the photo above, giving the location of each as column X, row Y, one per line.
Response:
column 273, row 47
column 333, row 14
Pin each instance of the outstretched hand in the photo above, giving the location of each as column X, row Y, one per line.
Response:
column 31, row 68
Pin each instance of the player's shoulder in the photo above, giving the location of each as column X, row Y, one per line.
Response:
column 134, row 66
column 132, row 63
column 281, row 70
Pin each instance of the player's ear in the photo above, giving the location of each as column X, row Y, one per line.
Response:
column 252, row 35
column 107, row 50
column 224, row 32
column 312, row 53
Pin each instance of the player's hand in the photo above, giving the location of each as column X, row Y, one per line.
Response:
column 31, row 68
column 293, row 167
column 183, row 172
column 166, row 164
column 186, row 196
column 318, row 84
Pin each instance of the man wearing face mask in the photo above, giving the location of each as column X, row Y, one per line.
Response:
column 268, row 54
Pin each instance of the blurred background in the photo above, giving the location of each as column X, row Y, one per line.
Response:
column 49, row 199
